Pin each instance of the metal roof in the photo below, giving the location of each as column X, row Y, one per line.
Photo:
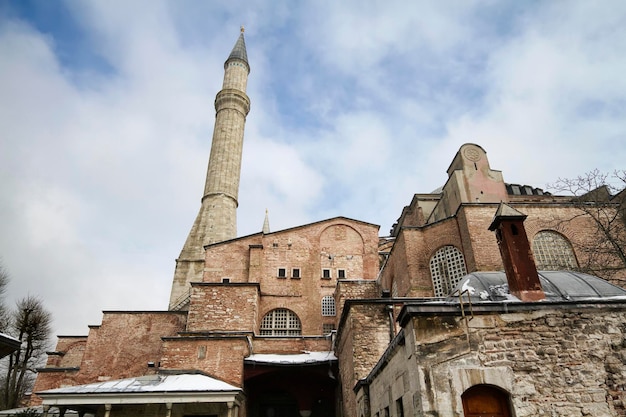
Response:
column 148, row 383
column 557, row 286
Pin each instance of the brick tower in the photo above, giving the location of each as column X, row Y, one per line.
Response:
column 217, row 219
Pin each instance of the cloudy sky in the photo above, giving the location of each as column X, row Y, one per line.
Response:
column 106, row 117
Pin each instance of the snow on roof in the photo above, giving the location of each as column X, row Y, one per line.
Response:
column 8, row 337
column 484, row 286
column 149, row 384
column 52, row 412
column 306, row 358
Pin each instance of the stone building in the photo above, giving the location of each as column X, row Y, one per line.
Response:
column 331, row 319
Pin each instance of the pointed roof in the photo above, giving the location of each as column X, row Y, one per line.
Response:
column 266, row 223
column 505, row 212
column 239, row 50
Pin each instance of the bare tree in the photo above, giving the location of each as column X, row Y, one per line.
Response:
column 4, row 282
column 601, row 197
column 30, row 323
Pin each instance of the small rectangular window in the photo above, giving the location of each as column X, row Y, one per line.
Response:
column 282, row 272
column 295, row 273
column 225, row 280
column 341, row 273
column 399, row 408
column 201, row 352
column 327, row 328
column 326, row 273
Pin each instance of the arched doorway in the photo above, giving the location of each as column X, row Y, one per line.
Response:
column 486, row 401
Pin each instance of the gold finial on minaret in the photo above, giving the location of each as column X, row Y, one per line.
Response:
column 243, row 29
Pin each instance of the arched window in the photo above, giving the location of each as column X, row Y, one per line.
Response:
column 328, row 306
column 485, row 401
column 281, row 322
column 447, row 267
column 553, row 252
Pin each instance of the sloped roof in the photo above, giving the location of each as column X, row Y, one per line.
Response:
column 159, row 388
column 8, row 344
column 557, row 286
column 149, row 383
column 307, row 358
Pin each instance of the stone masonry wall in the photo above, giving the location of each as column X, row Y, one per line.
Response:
column 567, row 362
column 362, row 341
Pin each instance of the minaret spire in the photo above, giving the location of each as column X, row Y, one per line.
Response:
column 217, row 219
column 266, row 223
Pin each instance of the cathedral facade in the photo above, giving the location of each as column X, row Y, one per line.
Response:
column 474, row 305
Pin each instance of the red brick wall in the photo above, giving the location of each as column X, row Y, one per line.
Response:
column 119, row 348
column 291, row 346
column 408, row 263
column 334, row 244
column 223, row 307
column 125, row 342
column 218, row 357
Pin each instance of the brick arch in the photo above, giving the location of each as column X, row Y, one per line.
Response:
column 280, row 322
column 484, row 400
column 344, row 233
column 73, row 355
column 342, row 252
column 553, row 250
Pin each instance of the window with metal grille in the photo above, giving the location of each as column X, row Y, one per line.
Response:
column 553, row 252
column 341, row 273
column 447, row 267
column 281, row 322
column 282, row 273
column 326, row 273
column 327, row 328
column 328, row 306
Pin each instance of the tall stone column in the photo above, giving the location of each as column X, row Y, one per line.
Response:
column 217, row 219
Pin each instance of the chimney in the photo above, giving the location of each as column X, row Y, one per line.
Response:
column 519, row 264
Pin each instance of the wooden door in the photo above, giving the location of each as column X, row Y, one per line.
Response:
column 485, row 401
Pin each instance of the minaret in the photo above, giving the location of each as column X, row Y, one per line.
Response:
column 217, row 219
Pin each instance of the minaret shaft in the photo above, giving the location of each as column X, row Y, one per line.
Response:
column 217, row 219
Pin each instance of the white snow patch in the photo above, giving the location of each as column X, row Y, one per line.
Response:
column 150, row 383
column 302, row 358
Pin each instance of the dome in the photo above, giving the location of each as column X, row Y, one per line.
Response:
column 557, row 286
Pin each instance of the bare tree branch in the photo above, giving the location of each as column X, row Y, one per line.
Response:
column 600, row 197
